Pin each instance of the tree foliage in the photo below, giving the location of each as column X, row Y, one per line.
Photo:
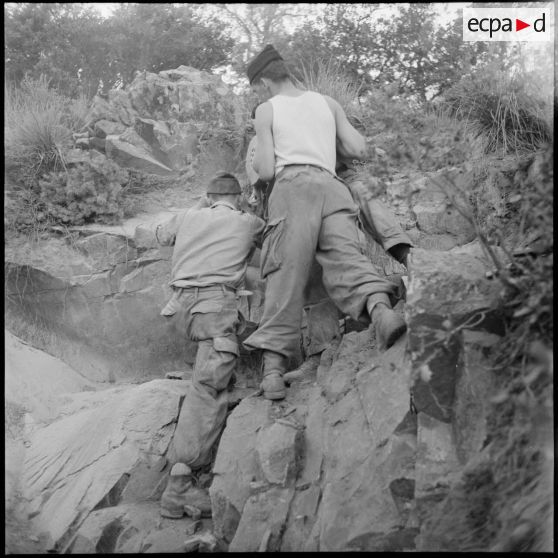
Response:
column 58, row 40
column 407, row 48
column 55, row 40
column 376, row 44
column 341, row 32
column 255, row 25
column 157, row 37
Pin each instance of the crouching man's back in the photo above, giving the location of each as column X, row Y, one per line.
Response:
column 213, row 245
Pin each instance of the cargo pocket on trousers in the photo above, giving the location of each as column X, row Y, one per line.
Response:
column 205, row 322
column 207, row 307
column 272, row 253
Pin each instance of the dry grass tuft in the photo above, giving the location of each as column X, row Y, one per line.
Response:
column 38, row 129
column 501, row 110
column 329, row 78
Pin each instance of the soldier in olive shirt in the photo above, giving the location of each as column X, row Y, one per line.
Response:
column 212, row 248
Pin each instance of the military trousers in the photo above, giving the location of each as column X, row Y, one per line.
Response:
column 211, row 318
column 377, row 219
column 311, row 214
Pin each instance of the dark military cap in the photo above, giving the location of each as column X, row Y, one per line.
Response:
column 260, row 61
column 223, row 183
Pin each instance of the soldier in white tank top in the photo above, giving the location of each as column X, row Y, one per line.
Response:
column 311, row 214
column 303, row 131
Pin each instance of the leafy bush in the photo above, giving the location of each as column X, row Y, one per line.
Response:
column 42, row 189
column 38, row 129
column 410, row 139
column 504, row 110
column 83, row 193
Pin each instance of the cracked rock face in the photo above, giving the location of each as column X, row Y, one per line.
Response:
column 317, row 460
column 347, row 462
column 103, row 320
column 84, row 461
column 155, row 124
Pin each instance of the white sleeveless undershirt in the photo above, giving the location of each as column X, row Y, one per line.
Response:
column 303, row 131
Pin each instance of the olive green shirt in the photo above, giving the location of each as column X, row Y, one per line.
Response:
column 212, row 245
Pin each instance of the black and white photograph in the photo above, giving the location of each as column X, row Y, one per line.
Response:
column 279, row 277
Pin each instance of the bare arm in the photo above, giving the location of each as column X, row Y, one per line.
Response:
column 350, row 143
column 264, row 159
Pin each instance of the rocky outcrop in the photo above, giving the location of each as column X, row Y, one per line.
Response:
column 369, row 451
column 156, row 124
column 101, row 312
column 421, row 203
column 448, row 292
column 388, row 440
column 312, row 463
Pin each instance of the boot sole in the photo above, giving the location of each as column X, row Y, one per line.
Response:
column 171, row 515
column 274, row 395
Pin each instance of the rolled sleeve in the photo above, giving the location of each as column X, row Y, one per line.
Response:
column 165, row 233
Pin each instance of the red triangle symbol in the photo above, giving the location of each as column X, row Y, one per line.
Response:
column 519, row 25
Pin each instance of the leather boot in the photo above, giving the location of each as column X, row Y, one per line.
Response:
column 273, row 385
column 305, row 372
column 198, row 499
column 389, row 325
column 174, row 496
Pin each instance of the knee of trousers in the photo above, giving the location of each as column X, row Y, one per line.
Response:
column 226, row 345
column 215, row 362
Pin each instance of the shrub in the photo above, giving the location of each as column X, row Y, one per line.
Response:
column 413, row 139
column 83, row 193
column 502, row 109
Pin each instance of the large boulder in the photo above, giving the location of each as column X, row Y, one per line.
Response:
column 447, row 293
column 130, row 156
column 100, row 313
column 36, row 387
column 235, row 471
column 360, row 471
column 37, row 382
column 86, row 459
column 331, row 467
column 155, row 125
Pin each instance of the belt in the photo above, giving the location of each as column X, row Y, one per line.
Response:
column 222, row 288
column 305, row 165
column 209, row 288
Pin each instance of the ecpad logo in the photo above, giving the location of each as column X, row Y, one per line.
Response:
column 509, row 24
